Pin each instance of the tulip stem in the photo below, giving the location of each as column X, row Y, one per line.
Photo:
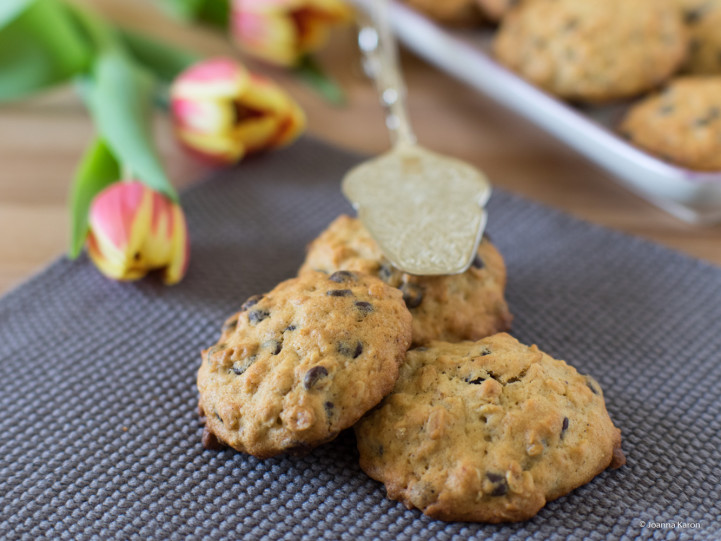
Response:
column 315, row 77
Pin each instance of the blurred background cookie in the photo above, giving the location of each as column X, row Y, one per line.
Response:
column 487, row 431
column 494, row 10
column 703, row 20
column 464, row 306
column 453, row 12
column 682, row 124
column 595, row 50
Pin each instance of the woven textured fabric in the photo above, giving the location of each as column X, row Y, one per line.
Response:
column 101, row 439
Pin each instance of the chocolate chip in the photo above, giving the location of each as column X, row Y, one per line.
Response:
column 412, row 295
column 381, row 450
column 219, row 418
column 712, row 115
column 313, row 375
column 341, row 277
column 252, row 301
column 476, row 381
column 592, row 387
column 484, row 351
column 239, row 368
column 275, row 346
column 500, row 485
column 350, row 350
column 339, row 293
column 385, row 272
column 564, row 427
column 478, row 262
column 692, row 16
column 571, row 25
column 329, row 407
column 290, row 328
column 364, row 308
column 256, row 316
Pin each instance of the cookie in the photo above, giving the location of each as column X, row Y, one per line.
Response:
column 487, row 431
column 595, row 50
column 299, row 364
column 703, row 21
column 682, row 124
column 453, row 12
column 495, row 10
column 465, row 306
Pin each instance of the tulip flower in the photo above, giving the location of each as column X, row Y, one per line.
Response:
column 222, row 112
column 134, row 230
column 281, row 32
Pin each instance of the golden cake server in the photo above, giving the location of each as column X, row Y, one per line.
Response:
column 425, row 210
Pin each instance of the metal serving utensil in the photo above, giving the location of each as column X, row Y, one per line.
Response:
column 425, row 210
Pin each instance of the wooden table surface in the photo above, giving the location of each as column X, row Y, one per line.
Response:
column 42, row 139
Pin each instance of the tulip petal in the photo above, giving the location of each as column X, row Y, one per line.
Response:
column 133, row 230
column 216, row 148
column 180, row 249
column 269, row 36
column 205, row 116
column 293, row 126
column 212, row 79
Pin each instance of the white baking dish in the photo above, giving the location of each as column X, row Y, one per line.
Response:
column 693, row 196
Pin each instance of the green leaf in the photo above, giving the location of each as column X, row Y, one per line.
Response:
column 211, row 12
column 120, row 97
column 215, row 13
column 314, row 76
column 186, row 10
column 98, row 170
column 10, row 9
column 39, row 48
column 165, row 61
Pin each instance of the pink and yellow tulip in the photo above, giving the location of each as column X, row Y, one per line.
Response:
column 222, row 112
column 281, row 32
column 134, row 230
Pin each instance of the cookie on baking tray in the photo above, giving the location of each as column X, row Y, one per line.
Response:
column 682, row 124
column 453, row 12
column 703, row 21
column 495, row 10
column 487, row 431
column 595, row 50
column 299, row 364
column 465, row 306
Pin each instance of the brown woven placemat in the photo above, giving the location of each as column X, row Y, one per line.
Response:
column 100, row 436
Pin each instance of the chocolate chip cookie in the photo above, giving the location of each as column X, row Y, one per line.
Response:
column 459, row 307
column 595, row 50
column 703, row 21
column 682, row 124
column 487, row 431
column 299, row 364
column 495, row 10
column 453, row 12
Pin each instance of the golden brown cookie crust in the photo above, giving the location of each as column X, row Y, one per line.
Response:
column 595, row 50
column 487, row 431
column 681, row 124
column 299, row 364
column 466, row 306
column 703, row 21
column 453, row 12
